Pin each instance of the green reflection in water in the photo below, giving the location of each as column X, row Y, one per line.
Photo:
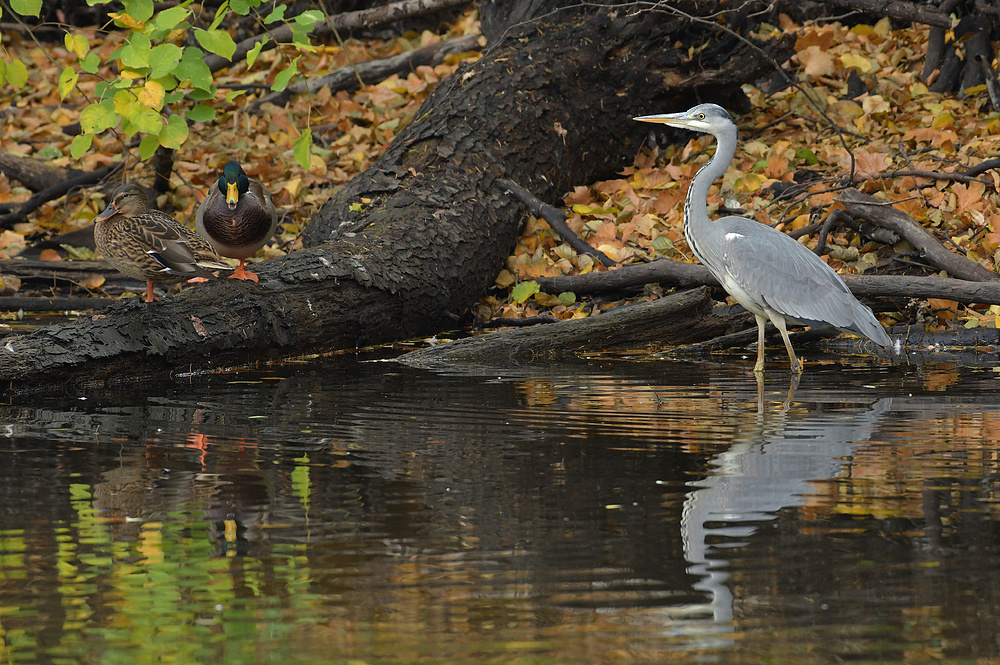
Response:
column 165, row 596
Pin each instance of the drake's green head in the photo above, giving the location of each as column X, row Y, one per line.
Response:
column 233, row 183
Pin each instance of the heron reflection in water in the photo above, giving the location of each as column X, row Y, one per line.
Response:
column 766, row 271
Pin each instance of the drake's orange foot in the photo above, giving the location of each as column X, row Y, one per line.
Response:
column 242, row 273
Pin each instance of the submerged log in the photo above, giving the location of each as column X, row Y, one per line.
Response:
column 408, row 246
column 679, row 318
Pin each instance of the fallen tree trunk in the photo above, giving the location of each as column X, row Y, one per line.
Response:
column 678, row 273
column 408, row 246
column 680, row 318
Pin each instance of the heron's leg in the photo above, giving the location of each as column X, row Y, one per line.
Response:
column 779, row 323
column 761, row 322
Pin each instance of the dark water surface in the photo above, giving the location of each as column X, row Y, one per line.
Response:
column 602, row 512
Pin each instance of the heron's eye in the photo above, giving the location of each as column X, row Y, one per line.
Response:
column 701, row 116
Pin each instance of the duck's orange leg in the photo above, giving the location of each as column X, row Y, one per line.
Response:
column 243, row 273
column 149, row 291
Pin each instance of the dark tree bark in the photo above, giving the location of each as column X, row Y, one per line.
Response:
column 408, row 246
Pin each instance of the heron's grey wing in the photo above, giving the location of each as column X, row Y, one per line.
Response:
column 790, row 279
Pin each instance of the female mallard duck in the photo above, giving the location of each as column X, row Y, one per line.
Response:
column 237, row 216
column 150, row 245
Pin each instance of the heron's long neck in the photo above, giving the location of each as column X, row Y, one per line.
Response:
column 696, row 221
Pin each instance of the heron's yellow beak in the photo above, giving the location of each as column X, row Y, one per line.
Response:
column 232, row 195
column 673, row 119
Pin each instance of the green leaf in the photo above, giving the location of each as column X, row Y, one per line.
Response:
column 168, row 19
column 285, row 75
column 220, row 13
column 216, row 41
column 98, row 117
column 200, row 113
column 90, row 63
column 17, row 74
column 49, row 152
column 143, row 118
column 356, row 207
column 193, row 68
column 3, row 72
column 26, row 7
column 67, row 79
column 523, row 291
column 807, row 155
column 233, row 94
column 310, row 17
column 135, row 54
column 277, row 14
column 80, row 145
column 163, row 59
column 200, row 95
column 662, row 244
column 174, row 133
column 168, row 82
column 302, row 148
column 241, row 7
column 82, row 253
column 148, row 145
column 255, row 51
column 140, row 10
column 567, row 298
column 300, row 35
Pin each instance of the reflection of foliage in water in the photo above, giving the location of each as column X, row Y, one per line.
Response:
column 165, row 596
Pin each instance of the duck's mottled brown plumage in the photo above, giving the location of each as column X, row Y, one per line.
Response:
column 237, row 217
column 149, row 245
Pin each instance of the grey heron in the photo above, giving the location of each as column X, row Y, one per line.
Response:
column 767, row 272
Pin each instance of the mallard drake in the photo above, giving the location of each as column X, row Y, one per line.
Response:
column 237, row 217
column 150, row 245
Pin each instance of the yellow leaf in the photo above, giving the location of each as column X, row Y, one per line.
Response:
column 77, row 44
column 943, row 119
column 861, row 63
column 152, row 95
column 751, row 182
column 292, row 186
column 127, row 21
column 582, row 209
column 122, row 100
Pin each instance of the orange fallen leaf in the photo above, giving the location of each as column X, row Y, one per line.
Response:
column 944, row 309
column 93, row 281
column 49, row 255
